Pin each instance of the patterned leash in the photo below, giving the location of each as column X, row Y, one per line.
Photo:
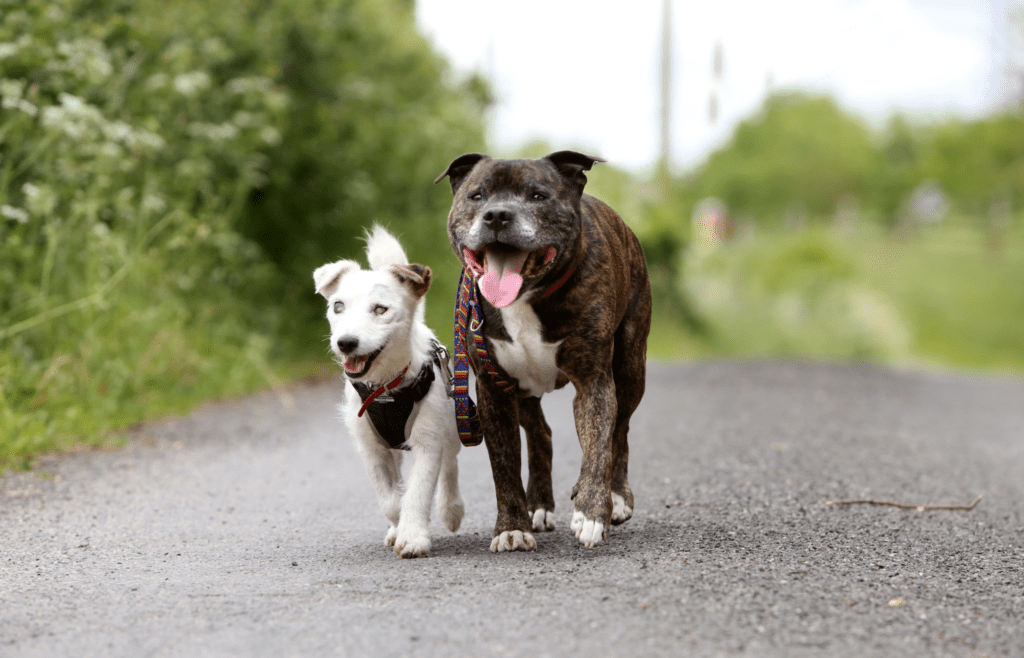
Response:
column 466, row 306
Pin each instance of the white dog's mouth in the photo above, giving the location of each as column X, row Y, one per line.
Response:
column 357, row 365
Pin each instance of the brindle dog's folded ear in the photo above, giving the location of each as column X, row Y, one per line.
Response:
column 460, row 168
column 415, row 277
column 571, row 165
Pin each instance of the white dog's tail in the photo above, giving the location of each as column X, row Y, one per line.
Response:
column 383, row 249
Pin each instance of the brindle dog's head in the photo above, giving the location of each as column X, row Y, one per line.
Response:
column 514, row 221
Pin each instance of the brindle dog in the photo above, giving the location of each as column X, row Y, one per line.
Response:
column 565, row 295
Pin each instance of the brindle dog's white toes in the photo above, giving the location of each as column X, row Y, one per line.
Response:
column 543, row 520
column 513, row 541
column 589, row 533
column 621, row 512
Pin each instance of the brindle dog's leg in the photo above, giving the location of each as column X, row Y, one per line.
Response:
column 540, row 501
column 499, row 419
column 595, row 411
column 630, row 367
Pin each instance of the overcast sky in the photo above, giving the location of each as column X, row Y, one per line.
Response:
column 585, row 73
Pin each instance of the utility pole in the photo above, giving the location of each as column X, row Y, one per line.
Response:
column 665, row 150
column 716, row 83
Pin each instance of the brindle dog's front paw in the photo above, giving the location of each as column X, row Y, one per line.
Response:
column 622, row 510
column 590, row 532
column 543, row 520
column 514, row 540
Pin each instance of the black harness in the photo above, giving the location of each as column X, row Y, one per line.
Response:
column 389, row 412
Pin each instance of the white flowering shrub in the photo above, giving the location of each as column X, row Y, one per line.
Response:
column 120, row 268
column 133, row 134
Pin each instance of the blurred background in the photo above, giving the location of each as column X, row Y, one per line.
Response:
column 826, row 179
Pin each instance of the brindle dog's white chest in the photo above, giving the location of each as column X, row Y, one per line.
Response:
column 527, row 357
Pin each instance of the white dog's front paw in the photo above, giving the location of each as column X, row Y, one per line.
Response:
column 391, row 505
column 621, row 512
column 590, row 533
column 412, row 542
column 513, row 541
column 452, row 513
column 389, row 539
column 543, row 520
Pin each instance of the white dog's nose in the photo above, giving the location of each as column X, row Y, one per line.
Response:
column 348, row 344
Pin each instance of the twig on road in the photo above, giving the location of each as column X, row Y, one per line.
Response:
column 919, row 508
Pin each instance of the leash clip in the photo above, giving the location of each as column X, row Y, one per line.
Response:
column 442, row 356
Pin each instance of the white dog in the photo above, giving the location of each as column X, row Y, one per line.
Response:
column 396, row 395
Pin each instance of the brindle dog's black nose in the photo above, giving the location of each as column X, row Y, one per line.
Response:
column 348, row 344
column 498, row 218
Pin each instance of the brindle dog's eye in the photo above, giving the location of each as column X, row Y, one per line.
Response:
column 476, row 196
column 539, row 196
column 380, row 310
column 339, row 307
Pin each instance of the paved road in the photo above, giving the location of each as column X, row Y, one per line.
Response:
column 250, row 529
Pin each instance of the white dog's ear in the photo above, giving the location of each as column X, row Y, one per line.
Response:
column 383, row 249
column 414, row 277
column 326, row 277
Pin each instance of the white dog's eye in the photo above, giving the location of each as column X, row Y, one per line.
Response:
column 380, row 310
column 339, row 307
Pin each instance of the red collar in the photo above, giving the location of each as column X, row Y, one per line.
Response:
column 382, row 389
column 558, row 284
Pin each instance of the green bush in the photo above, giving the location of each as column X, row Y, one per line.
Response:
column 153, row 154
column 799, row 154
column 794, row 295
column 369, row 131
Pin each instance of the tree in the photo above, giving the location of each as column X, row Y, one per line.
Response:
column 799, row 149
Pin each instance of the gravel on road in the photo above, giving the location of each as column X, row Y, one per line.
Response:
column 250, row 529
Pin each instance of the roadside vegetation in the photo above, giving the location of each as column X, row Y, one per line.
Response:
column 171, row 174
column 812, row 235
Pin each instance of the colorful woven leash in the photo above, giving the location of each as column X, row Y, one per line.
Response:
column 466, row 307
column 466, row 418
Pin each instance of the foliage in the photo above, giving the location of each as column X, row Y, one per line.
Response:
column 944, row 296
column 960, row 292
column 132, row 138
column 954, row 295
column 803, row 156
column 793, row 294
column 800, row 154
column 978, row 161
column 370, row 130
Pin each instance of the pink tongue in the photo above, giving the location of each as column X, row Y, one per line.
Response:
column 502, row 280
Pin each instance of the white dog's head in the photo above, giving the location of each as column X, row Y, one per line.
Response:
column 373, row 311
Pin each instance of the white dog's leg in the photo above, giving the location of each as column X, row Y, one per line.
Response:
column 450, row 506
column 384, row 466
column 391, row 499
column 413, row 538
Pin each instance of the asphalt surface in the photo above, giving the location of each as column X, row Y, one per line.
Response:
column 250, row 529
